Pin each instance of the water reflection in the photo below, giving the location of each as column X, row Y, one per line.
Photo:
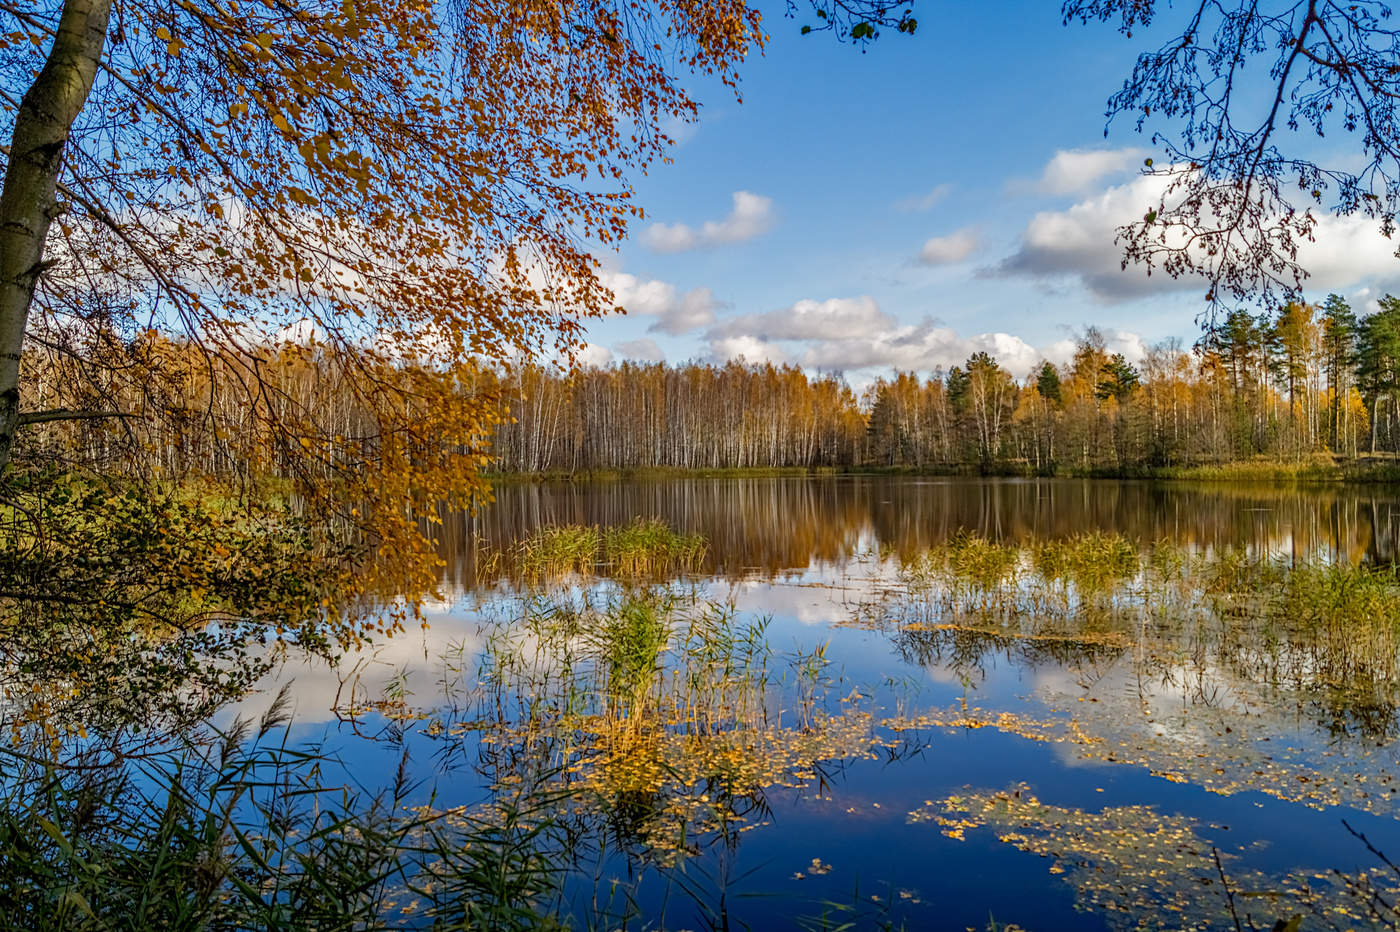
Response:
column 769, row 527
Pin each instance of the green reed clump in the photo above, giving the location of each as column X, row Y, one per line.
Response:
column 644, row 547
column 1331, row 625
column 647, row 547
column 559, row 550
column 247, row 834
column 1331, row 631
column 983, row 563
column 622, row 654
column 631, row 638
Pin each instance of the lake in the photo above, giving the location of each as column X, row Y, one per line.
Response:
column 909, row 702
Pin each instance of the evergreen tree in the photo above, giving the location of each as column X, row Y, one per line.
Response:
column 1117, row 379
column 1339, row 333
column 1047, row 382
column 1378, row 362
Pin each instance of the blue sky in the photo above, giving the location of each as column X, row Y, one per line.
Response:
column 897, row 209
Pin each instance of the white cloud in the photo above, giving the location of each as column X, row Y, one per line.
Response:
column 748, row 348
column 1346, row 251
column 809, row 320
column 1131, row 345
column 920, row 347
column 674, row 312
column 1076, row 171
column 1078, row 243
column 593, row 355
column 950, row 249
column 752, row 215
column 854, row 335
column 642, row 350
column 925, row 201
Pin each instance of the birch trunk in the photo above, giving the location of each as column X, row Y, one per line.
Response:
column 28, row 201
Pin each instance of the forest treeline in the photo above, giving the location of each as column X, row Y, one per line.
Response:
column 1303, row 379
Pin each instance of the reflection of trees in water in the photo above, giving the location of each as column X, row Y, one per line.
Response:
column 772, row 526
column 1384, row 544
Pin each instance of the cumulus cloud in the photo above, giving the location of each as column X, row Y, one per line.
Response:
column 1077, row 171
column 591, row 354
column 950, row 249
column 855, row 335
column 675, row 312
column 642, row 350
column 1131, row 345
column 748, row 348
column 808, row 320
column 751, row 215
column 925, row 201
column 1078, row 243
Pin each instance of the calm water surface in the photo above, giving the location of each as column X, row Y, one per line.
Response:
column 914, row 751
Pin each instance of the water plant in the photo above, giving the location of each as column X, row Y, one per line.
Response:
column 642, row 548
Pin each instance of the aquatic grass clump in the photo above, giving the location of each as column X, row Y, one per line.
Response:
column 657, row 710
column 1094, row 563
column 243, row 831
column 649, row 547
column 980, row 562
column 645, row 547
column 630, row 642
column 1330, row 631
column 1329, row 626
column 559, row 550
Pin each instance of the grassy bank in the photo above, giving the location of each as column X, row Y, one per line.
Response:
column 1319, row 468
column 1311, row 469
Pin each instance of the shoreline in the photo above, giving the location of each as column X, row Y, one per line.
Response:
column 1361, row 470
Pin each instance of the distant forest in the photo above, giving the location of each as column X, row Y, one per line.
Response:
column 1305, row 379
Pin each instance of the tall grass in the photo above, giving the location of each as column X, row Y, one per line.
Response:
column 251, row 833
column 661, row 713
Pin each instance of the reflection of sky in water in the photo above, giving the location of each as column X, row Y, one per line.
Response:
column 1171, row 718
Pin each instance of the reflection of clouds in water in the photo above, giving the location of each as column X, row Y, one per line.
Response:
column 947, row 675
column 1171, row 706
column 418, row 657
column 826, row 593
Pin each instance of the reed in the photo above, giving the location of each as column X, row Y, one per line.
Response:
column 1331, row 630
column 247, row 831
column 642, row 548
